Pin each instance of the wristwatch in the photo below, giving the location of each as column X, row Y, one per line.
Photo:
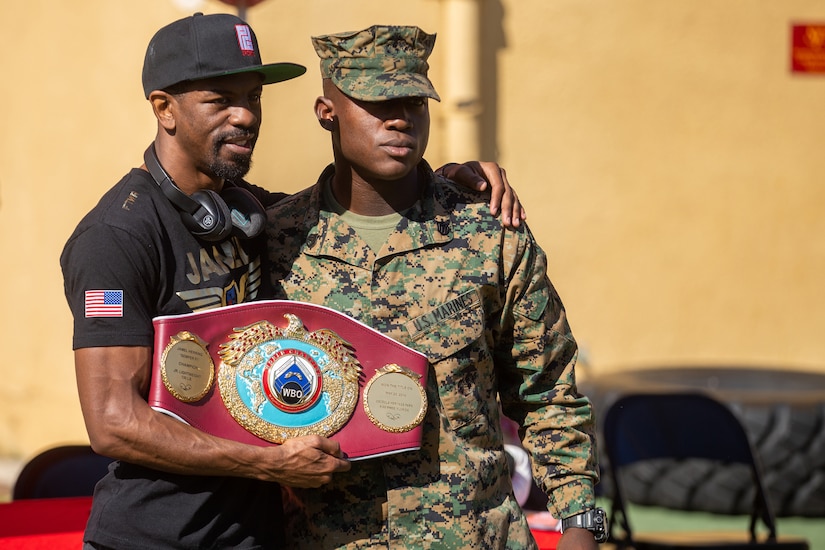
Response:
column 594, row 520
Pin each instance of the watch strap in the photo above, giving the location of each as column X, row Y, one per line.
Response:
column 594, row 520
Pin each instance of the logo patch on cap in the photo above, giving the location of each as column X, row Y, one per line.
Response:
column 245, row 39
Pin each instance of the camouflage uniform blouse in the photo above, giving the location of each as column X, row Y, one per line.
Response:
column 453, row 284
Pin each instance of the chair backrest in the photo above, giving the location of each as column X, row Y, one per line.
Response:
column 65, row 471
column 678, row 425
column 689, row 425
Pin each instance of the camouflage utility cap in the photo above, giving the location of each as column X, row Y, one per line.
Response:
column 379, row 63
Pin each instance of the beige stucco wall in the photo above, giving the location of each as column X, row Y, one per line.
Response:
column 671, row 165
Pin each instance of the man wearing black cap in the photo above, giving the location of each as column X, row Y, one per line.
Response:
column 182, row 233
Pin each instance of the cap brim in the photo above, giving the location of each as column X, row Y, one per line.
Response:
column 273, row 72
column 384, row 88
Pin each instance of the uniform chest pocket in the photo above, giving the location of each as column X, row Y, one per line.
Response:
column 452, row 337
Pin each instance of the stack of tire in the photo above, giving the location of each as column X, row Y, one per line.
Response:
column 783, row 412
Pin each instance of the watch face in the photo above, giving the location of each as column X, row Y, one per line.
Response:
column 600, row 530
column 599, row 525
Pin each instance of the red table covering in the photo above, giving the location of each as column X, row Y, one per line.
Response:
column 58, row 523
column 47, row 523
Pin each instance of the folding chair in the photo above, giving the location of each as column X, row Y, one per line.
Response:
column 65, row 471
column 641, row 427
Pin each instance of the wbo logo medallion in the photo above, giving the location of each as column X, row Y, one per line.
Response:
column 286, row 382
column 292, row 380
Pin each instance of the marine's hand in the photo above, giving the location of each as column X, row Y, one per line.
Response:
column 308, row 462
column 478, row 175
column 577, row 539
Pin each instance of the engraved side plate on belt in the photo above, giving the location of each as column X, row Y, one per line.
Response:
column 288, row 369
column 186, row 367
column 394, row 399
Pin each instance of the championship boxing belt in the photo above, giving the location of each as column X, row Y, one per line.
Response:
column 264, row 372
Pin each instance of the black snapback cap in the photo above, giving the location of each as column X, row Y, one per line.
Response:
column 205, row 46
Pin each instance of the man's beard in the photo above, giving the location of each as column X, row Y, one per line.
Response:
column 233, row 169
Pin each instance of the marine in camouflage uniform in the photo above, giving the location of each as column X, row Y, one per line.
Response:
column 451, row 282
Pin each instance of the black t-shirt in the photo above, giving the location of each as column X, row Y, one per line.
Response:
column 129, row 260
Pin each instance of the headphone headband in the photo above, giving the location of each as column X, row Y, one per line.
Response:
column 205, row 213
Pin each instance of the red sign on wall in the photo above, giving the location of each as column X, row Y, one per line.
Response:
column 808, row 48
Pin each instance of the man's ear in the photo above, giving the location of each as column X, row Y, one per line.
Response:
column 162, row 107
column 325, row 112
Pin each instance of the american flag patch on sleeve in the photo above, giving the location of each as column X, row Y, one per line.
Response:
column 104, row 303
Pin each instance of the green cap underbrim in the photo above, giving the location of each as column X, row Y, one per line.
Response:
column 273, row 72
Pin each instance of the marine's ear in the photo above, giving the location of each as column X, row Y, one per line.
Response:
column 325, row 112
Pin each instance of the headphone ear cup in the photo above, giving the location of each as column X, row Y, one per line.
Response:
column 212, row 220
column 204, row 213
column 246, row 212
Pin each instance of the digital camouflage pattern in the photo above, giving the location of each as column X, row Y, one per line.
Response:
column 378, row 63
column 453, row 284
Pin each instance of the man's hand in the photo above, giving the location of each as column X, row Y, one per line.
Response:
column 477, row 175
column 308, row 462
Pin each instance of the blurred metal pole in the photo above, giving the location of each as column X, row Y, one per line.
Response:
column 461, row 96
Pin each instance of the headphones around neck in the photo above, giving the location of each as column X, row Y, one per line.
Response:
column 207, row 214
